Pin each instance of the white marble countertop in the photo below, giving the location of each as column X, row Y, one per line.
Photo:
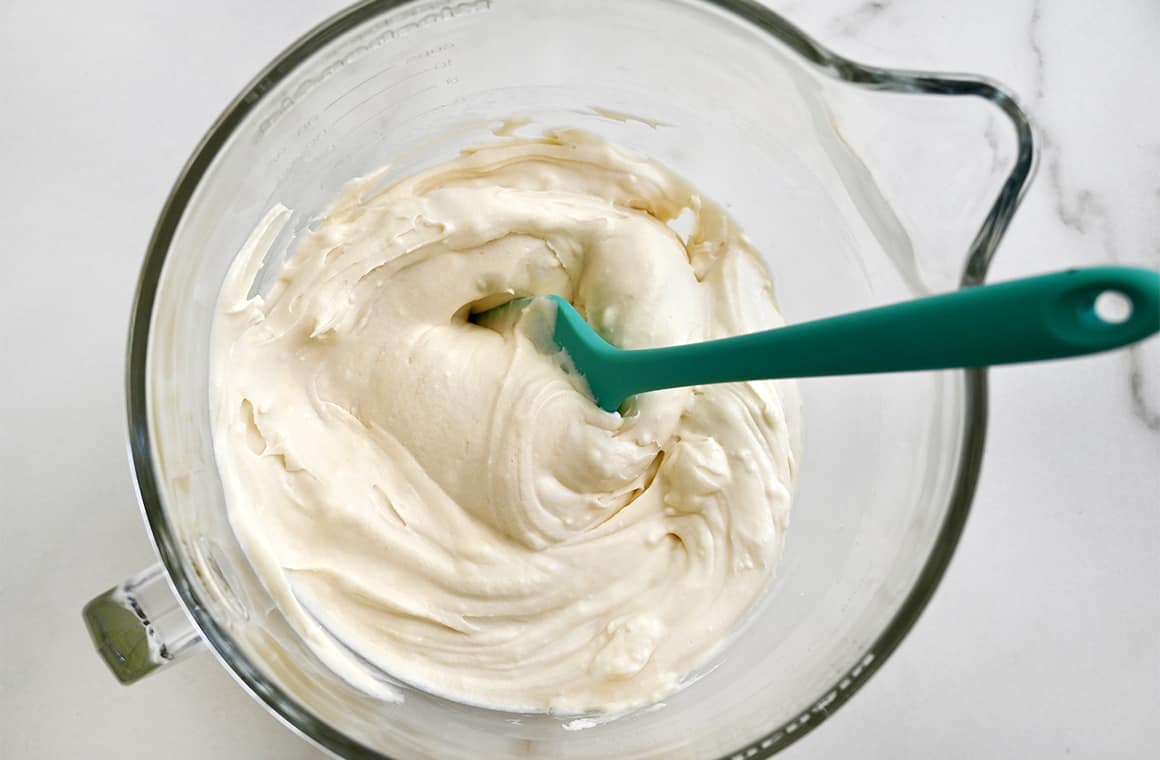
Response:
column 1042, row 640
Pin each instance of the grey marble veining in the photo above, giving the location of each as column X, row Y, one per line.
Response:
column 862, row 15
column 1138, row 373
column 1094, row 211
column 1036, row 48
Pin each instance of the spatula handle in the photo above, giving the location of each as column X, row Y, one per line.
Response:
column 1045, row 317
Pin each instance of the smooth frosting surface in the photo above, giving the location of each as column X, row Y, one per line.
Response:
column 440, row 500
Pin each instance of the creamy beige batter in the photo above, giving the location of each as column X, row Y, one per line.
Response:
column 440, row 500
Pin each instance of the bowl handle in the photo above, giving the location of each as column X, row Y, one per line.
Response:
column 138, row 626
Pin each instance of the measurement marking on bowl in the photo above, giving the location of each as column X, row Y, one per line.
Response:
column 355, row 52
column 445, row 62
column 821, row 707
column 384, row 90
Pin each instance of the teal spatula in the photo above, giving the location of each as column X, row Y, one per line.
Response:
column 1051, row 316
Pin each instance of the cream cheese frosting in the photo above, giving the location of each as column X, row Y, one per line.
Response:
column 440, row 501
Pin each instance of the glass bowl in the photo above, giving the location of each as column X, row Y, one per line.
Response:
column 861, row 186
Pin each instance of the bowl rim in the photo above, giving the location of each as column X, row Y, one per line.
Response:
column 980, row 253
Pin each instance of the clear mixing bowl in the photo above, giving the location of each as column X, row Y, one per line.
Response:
column 861, row 186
